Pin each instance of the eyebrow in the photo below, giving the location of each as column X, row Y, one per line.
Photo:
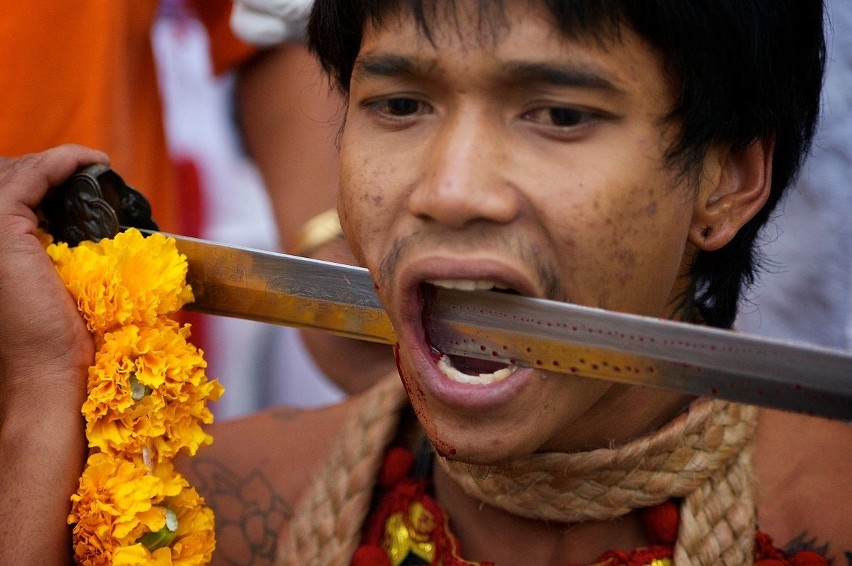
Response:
column 560, row 75
column 578, row 76
column 388, row 66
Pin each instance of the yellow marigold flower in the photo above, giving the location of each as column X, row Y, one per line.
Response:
column 114, row 506
column 126, row 279
column 147, row 394
column 120, row 502
column 195, row 539
column 148, row 388
column 44, row 237
column 133, row 555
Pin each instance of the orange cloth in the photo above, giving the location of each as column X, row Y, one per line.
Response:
column 227, row 51
column 84, row 72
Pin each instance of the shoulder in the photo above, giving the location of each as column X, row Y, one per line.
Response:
column 804, row 496
column 255, row 472
column 259, row 468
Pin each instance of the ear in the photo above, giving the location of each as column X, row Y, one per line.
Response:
column 733, row 188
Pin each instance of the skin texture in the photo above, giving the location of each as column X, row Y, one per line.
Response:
column 804, row 499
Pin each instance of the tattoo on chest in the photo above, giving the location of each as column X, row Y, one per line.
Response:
column 249, row 513
column 805, row 541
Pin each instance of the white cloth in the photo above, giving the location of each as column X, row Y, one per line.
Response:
column 269, row 22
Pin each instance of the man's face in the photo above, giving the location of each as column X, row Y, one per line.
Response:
column 522, row 160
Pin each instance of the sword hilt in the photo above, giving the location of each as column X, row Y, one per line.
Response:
column 92, row 204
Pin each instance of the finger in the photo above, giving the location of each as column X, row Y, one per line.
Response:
column 26, row 179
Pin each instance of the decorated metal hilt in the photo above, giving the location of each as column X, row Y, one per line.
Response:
column 94, row 203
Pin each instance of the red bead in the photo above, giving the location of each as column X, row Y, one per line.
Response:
column 808, row 558
column 370, row 555
column 770, row 562
column 661, row 522
column 397, row 465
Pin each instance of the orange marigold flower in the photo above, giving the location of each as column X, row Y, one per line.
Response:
column 114, row 506
column 120, row 502
column 126, row 279
column 148, row 388
column 147, row 393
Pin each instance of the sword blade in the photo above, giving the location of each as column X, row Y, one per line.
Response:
column 564, row 338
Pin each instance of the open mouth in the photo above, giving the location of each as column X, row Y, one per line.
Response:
column 464, row 369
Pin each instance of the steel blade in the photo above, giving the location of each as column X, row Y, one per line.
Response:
column 283, row 289
column 638, row 350
column 563, row 338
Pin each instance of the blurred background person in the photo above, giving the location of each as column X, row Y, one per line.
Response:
column 260, row 132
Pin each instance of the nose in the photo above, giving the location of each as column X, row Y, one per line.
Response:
column 463, row 178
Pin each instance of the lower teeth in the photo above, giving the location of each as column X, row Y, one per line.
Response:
column 446, row 367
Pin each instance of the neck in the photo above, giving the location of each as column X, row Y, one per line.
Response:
column 488, row 533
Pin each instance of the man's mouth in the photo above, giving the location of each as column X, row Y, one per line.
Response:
column 464, row 369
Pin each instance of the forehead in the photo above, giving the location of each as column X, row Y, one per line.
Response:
column 507, row 38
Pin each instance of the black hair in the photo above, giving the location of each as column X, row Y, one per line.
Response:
column 743, row 72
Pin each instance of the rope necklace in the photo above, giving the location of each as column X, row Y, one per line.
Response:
column 716, row 523
column 409, row 528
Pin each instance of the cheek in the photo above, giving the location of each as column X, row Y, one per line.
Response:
column 348, row 216
column 368, row 196
column 359, row 204
column 623, row 253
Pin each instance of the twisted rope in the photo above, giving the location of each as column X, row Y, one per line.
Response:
column 326, row 527
column 703, row 456
column 718, row 519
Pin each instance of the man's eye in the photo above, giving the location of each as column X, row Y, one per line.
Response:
column 565, row 116
column 561, row 117
column 399, row 106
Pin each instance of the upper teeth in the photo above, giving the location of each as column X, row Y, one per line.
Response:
column 467, row 284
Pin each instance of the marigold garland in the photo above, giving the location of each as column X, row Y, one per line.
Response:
column 147, row 393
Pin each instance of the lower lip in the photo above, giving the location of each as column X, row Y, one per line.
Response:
column 465, row 396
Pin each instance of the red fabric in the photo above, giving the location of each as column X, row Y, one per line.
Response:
column 396, row 466
column 370, row 555
column 661, row 522
column 638, row 557
column 766, row 554
column 808, row 558
column 397, row 492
